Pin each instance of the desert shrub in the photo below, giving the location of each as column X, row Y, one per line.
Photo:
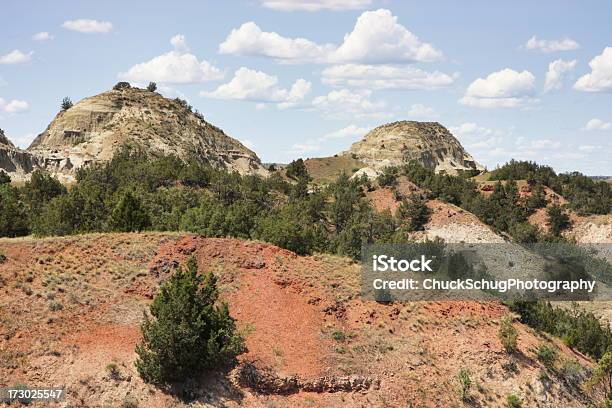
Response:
column 507, row 334
column 188, row 330
column 13, row 214
column 513, row 401
column 297, row 170
column 3, row 258
column 602, row 376
column 40, row 189
column 288, row 229
column 578, row 329
column 547, row 355
column 62, row 215
column 152, row 87
column 119, row 86
column 66, row 104
column 465, row 384
column 4, row 177
column 537, row 199
column 113, row 371
column 128, row 214
column 558, row 220
column 388, row 177
column 414, row 212
column 525, row 233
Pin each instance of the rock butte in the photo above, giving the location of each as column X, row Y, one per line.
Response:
column 95, row 128
column 429, row 143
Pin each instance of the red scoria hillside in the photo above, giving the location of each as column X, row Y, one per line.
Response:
column 71, row 306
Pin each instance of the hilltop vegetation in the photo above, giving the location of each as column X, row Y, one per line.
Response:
column 585, row 195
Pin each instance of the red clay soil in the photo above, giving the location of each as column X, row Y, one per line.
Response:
column 301, row 316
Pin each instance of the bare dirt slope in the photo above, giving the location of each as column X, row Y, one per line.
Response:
column 70, row 306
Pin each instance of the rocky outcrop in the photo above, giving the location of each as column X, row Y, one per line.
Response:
column 95, row 128
column 14, row 161
column 264, row 381
column 429, row 143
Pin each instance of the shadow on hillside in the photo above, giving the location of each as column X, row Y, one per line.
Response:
column 213, row 387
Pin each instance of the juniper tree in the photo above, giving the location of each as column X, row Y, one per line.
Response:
column 188, row 329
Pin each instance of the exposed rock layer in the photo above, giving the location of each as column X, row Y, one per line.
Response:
column 96, row 127
column 429, row 143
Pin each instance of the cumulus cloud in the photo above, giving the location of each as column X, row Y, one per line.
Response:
column 16, row 57
column 600, row 77
column 346, row 103
column 313, row 145
column 179, row 42
column 88, row 26
column 597, row 124
column 384, row 77
column 13, row 106
column 502, row 89
column 565, row 44
column 174, row 67
column 315, row 5
column 250, row 40
column 257, row 86
column 557, row 70
column 420, row 111
column 351, row 131
column 42, row 36
column 476, row 137
column 377, row 38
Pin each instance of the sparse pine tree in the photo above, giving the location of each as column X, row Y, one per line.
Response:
column 66, row 103
column 128, row 214
column 415, row 212
column 188, row 330
column 558, row 220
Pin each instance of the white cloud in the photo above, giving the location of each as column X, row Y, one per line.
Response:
column 16, row 57
column 13, row 106
column 174, row 67
column 565, row 44
column 476, row 137
column 88, row 26
column 302, row 148
column 557, row 70
column 250, row 40
column 315, row 5
column 384, row 77
column 346, row 103
column 542, row 144
column 502, row 89
column 179, row 42
column 600, row 77
column 314, row 145
column 589, row 148
column 597, row 124
column 351, row 131
column 420, row 111
column 377, row 38
column 42, row 36
column 257, row 86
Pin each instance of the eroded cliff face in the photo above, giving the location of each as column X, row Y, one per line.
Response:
column 397, row 143
column 95, row 128
column 14, row 161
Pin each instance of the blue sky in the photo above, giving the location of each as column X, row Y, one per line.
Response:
column 527, row 80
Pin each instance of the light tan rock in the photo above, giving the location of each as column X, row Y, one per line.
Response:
column 429, row 143
column 95, row 128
